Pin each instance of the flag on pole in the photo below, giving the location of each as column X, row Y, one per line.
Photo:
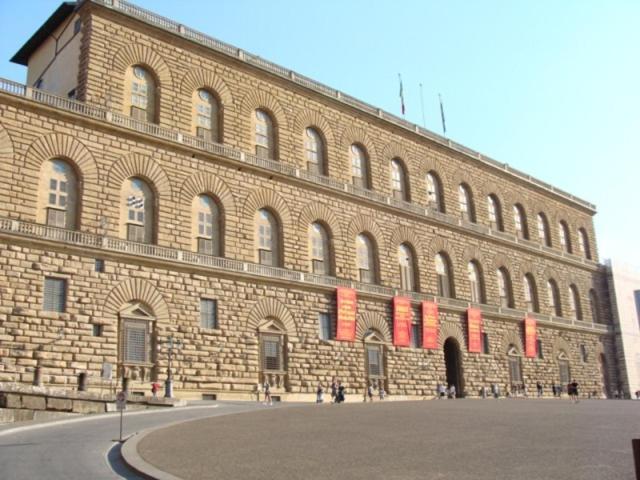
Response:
column 444, row 125
column 401, row 95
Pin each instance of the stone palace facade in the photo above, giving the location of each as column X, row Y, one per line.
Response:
column 160, row 184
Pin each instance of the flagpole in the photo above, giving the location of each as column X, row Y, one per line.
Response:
column 424, row 123
column 444, row 125
column 402, row 109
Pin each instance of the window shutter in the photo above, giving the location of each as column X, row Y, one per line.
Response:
column 55, row 292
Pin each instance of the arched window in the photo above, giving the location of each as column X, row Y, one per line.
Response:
column 268, row 238
column 407, row 267
column 583, row 241
column 365, row 259
column 553, row 297
column 265, row 135
column 574, row 303
column 565, row 238
column 142, row 94
column 206, row 111
column 505, row 291
column 359, row 166
column 475, row 282
column 530, row 293
column 320, row 249
column 543, row 230
column 206, row 225
column 443, row 274
column 314, row 152
column 564, row 368
column 594, row 304
column 58, row 195
column 435, row 198
column 465, row 200
column 495, row 213
column 520, row 221
column 399, row 184
column 515, row 365
column 138, row 211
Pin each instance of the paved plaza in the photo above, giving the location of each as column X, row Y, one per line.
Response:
column 448, row 439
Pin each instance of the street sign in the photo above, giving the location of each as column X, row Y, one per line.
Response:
column 121, row 401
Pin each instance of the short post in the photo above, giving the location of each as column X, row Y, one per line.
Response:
column 82, row 382
column 37, row 376
column 121, row 405
column 636, row 455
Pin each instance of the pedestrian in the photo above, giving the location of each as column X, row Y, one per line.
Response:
column 637, row 394
column 539, row 388
column 525, row 391
column 334, row 390
column 452, row 391
column 442, row 391
column 495, row 390
column 369, row 392
column 267, row 393
column 381, row 391
column 341, row 393
column 438, row 387
column 154, row 389
column 553, row 389
column 320, row 393
column 574, row 391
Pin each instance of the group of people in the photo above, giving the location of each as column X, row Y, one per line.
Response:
column 373, row 386
column 443, row 391
column 338, row 392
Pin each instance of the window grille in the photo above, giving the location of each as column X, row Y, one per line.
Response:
column 272, row 353
column 204, row 133
column 324, row 321
column 135, row 342
column 539, row 348
column 205, row 245
column 56, row 218
column 208, row 313
column 318, row 267
column 415, row 335
column 135, row 233
column 265, row 257
column 366, row 276
column 485, row 343
column 565, row 375
column 55, row 294
column 515, row 373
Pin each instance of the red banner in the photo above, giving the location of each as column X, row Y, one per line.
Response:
column 530, row 337
column 402, row 322
column 429, row 325
column 474, row 326
column 346, row 301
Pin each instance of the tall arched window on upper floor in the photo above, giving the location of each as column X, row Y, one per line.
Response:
column 543, row 230
column 520, row 222
column 268, row 238
column 137, row 211
column 265, row 138
column 141, row 94
column 583, row 241
column 553, row 298
column 314, row 151
column 574, row 303
column 366, row 259
column 435, row 198
column 359, row 166
column 505, row 290
column 399, row 182
column 465, row 201
column 594, row 304
column 319, row 245
column 530, row 293
column 495, row 213
column 565, row 237
column 444, row 276
column 207, row 225
column 58, row 195
column 476, row 286
column 206, row 113
column 406, row 261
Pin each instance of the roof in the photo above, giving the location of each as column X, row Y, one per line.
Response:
column 60, row 15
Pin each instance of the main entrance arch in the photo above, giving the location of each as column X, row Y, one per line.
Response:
column 453, row 364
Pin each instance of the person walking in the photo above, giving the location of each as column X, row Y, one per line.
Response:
column 539, row 389
column 334, row 390
column 369, row 392
column 341, row 393
column 452, row 391
column 267, row 393
column 573, row 393
column 442, row 391
column 154, row 389
column 320, row 393
column 381, row 391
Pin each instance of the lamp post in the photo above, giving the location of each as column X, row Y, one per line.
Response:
column 171, row 345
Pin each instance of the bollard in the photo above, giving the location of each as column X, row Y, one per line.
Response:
column 82, row 382
column 636, row 455
column 37, row 377
column 125, row 384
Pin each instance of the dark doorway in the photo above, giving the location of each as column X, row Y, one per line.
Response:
column 453, row 363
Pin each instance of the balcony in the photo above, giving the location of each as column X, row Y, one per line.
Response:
column 33, row 231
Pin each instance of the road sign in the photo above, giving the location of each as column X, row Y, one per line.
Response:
column 121, row 401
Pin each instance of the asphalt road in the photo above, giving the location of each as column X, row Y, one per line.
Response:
column 448, row 439
column 84, row 449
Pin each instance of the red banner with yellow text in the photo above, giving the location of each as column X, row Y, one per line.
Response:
column 346, row 303
column 530, row 337
column 430, row 325
column 401, row 321
column 474, row 326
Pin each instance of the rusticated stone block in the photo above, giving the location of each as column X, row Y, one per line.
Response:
column 83, row 406
column 33, row 402
column 60, row 404
column 10, row 400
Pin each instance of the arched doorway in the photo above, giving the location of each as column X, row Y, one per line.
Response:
column 604, row 373
column 453, row 364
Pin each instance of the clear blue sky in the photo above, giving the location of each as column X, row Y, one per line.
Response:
column 549, row 87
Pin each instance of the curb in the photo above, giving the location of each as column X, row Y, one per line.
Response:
column 134, row 461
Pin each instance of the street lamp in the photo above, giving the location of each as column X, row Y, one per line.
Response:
column 171, row 344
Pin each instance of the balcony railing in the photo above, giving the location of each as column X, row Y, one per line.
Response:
column 225, row 151
column 110, row 244
column 238, row 54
